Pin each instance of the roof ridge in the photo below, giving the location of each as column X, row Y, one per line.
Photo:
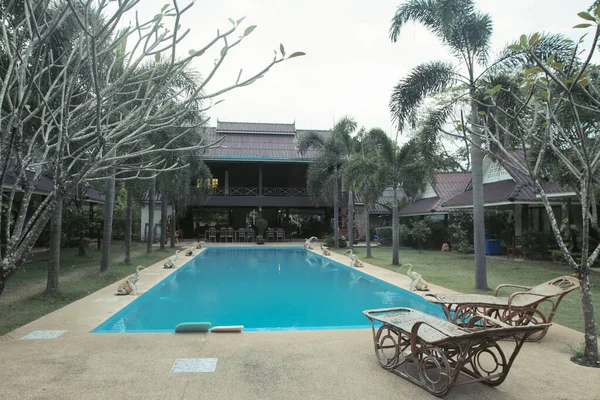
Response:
column 257, row 123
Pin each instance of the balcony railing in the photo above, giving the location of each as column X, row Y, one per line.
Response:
column 253, row 191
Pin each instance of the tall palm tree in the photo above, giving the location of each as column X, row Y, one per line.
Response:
column 467, row 33
column 323, row 176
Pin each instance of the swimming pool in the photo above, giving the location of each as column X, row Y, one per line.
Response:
column 262, row 288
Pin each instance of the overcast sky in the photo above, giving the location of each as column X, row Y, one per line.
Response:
column 351, row 64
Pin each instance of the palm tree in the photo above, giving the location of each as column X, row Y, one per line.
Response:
column 323, row 176
column 405, row 166
column 466, row 33
column 366, row 173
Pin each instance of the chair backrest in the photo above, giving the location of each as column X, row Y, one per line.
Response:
column 212, row 231
column 279, row 233
column 230, row 231
column 224, row 231
column 516, row 241
column 556, row 287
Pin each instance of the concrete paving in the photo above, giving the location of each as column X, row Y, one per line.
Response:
column 251, row 365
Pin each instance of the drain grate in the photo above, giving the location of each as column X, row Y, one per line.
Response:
column 194, row 365
column 42, row 335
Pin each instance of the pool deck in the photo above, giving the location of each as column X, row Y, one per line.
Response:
column 251, row 365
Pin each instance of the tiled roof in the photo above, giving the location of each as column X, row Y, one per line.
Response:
column 257, row 141
column 423, row 206
column 446, row 185
column 496, row 192
column 254, row 127
column 449, row 184
column 386, row 198
column 520, row 189
column 45, row 184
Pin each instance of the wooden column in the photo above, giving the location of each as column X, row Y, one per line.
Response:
column 260, row 179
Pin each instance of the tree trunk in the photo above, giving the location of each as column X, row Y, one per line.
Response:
column 336, row 221
column 173, row 225
column 478, row 201
column 590, row 354
column 81, row 230
column 128, row 225
column 52, row 288
column 163, row 221
column 395, row 229
column 350, row 218
column 150, row 232
column 109, row 208
column 368, row 229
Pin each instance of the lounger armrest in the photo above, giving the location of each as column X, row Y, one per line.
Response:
column 478, row 317
column 510, row 285
column 371, row 313
column 414, row 334
column 512, row 296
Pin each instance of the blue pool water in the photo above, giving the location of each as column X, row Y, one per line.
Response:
column 277, row 288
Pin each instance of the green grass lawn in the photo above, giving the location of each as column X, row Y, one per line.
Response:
column 23, row 300
column 457, row 272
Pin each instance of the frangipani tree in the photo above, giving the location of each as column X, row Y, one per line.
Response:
column 555, row 127
column 53, row 121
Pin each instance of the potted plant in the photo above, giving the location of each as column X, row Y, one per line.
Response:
column 261, row 225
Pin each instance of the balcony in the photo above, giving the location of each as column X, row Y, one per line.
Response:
column 254, row 191
column 252, row 196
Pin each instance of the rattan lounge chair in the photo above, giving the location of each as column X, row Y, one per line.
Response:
column 433, row 353
column 520, row 308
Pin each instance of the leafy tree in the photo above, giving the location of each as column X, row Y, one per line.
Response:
column 420, row 231
column 556, row 125
column 324, row 177
column 60, row 113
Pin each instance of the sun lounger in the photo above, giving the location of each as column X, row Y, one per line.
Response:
column 520, row 308
column 433, row 353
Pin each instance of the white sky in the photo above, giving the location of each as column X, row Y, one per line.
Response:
column 351, row 64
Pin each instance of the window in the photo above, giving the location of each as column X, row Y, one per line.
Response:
column 215, row 183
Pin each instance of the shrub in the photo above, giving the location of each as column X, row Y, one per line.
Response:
column 557, row 256
column 420, row 231
column 384, row 234
column 261, row 225
column 404, row 233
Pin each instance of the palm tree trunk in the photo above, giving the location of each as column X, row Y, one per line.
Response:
column 173, row 225
column 350, row 218
column 395, row 228
column 150, row 234
column 478, row 201
column 336, row 222
column 368, row 230
column 52, row 288
column 109, row 208
column 163, row 221
column 81, row 230
column 128, row 225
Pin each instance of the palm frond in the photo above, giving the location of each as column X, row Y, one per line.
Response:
column 556, row 45
column 436, row 15
column 421, row 81
column 310, row 141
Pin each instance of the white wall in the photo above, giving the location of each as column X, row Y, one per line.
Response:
column 494, row 172
column 146, row 215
